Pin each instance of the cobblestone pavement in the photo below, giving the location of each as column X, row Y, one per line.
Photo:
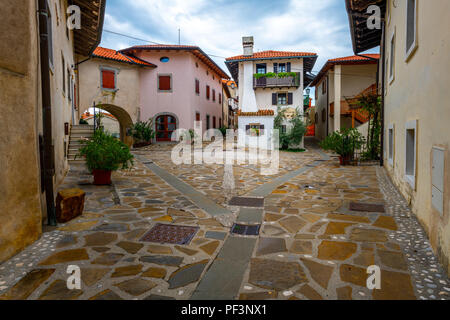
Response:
column 311, row 244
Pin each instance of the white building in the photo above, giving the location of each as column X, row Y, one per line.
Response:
column 267, row 80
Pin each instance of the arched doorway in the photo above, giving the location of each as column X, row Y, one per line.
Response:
column 124, row 119
column 165, row 125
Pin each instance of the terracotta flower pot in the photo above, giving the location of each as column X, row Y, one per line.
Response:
column 101, row 177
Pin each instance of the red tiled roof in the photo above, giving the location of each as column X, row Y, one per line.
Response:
column 350, row 60
column 86, row 116
column 111, row 54
column 199, row 53
column 271, row 54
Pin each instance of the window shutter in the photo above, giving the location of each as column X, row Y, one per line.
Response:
column 164, row 83
column 288, row 67
column 197, row 86
column 275, row 67
column 290, row 98
column 274, row 99
column 108, row 81
column 261, row 130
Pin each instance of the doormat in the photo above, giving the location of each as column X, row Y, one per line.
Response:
column 165, row 233
column 246, row 230
column 367, row 207
column 247, row 202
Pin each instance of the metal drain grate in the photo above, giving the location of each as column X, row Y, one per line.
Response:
column 245, row 230
column 247, row 202
column 165, row 233
column 367, row 207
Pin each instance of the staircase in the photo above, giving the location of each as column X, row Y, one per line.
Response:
column 78, row 133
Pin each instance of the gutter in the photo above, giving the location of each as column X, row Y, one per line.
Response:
column 48, row 148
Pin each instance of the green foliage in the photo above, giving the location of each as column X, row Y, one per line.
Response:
column 275, row 75
column 344, row 143
column 296, row 132
column 223, row 130
column 143, row 131
column 82, row 121
column 371, row 103
column 104, row 152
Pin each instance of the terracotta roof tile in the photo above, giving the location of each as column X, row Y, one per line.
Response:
column 270, row 54
column 111, row 54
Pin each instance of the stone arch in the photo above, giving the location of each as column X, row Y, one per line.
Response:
column 124, row 119
column 156, row 116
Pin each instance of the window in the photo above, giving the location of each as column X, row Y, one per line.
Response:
column 324, row 86
column 220, row 123
column 63, row 73
column 165, row 83
column 410, row 155
column 164, row 59
column 220, row 98
column 207, row 122
column 391, row 145
column 411, row 27
column 392, row 59
column 214, row 122
column 324, row 115
column 197, row 87
column 197, row 116
column 283, row 128
column 69, row 87
column 207, row 92
column 316, row 93
column 254, row 129
column 214, row 94
column 261, row 68
column 50, row 37
column 437, row 179
column 282, row 99
column 108, row 79
column 282, row 67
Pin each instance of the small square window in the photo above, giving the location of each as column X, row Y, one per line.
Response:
column 282, row 98
column 282, row 67
column 261, row 68
column 164, row 83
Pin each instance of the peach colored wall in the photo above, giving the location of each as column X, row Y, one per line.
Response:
column 182, row 101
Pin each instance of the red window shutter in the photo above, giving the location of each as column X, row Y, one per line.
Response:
column 214, row 122
column 220, row 98
column 214, row 96
column 197, row 86
column 108, row 79
column 207, row 92
column 164, row 83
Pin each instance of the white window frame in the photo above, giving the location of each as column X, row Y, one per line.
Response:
column 392, row 51
column 116, row 71
column 411, row 179
column 391, row 144
column 409, row 52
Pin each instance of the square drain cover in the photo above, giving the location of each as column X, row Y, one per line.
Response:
column 368, row 207
column 247, row 202
column 165, row 233
column 245, row 230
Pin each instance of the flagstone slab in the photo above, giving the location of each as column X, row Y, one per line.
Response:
column 106, row 295
column 99, row 239
column 309, row 293
column 258, row 295
column 344, row 293
column 163, row 260
column 368, row 235
column 65, row 256
column 27, row 285
column 113, row 227
column 320, row 273
column 159, row 249
column 292, row 224
column 124, row 218
column 134, row 234
column 365, row 258
column 189, row 252
column 353, row 274
column 394, row 286
column 275, row 275
column 337, row 227
column 179, row 213
column 304, row 236
column 130, row 247
column 158, row 297
column 316, row 227
column 301, row 247
column 101, row 249
column 58, row 291
column 154, row 272
column 108, row 259
column 386, row 223
column 273, row 230
column 270, row 245
column 346, row 217
column 215, row 235
column 91, row 276
column 333, row 250
column 127, row 271
column 66, row 241
column 392, row 259
column 272, row 217
column 136, row 287
column 78, row 226
column 187, row 274
column 310, row 217
column 210, row 247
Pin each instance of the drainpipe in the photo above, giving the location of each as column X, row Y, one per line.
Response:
column 48, row 148
column 328, row 100
column 383, row 77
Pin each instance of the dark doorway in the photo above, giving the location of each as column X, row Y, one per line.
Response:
column 165, row 126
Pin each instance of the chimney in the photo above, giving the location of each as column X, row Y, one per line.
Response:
column 247, row 43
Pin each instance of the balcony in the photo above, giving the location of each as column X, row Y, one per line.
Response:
column 274, row 82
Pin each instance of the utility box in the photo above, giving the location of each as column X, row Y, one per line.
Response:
column 437, row 174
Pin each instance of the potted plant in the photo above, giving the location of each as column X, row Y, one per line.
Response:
column 104, row 154
column 344, row 143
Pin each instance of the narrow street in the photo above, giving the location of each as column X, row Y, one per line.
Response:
column 321, row 226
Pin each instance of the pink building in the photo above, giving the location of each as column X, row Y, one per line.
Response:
column 185, row 86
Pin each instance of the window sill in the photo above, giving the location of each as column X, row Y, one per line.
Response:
column 110, row 90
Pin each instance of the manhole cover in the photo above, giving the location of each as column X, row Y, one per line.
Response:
column 368, row 207
column 247, row 202
column 164, row 233
column 245, row 230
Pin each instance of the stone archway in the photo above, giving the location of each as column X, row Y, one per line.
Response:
column 124, row 119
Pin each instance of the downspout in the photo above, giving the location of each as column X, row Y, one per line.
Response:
column 328, row 101
column 48, row 148
column 383, row 77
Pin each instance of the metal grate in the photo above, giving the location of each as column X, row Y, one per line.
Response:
column 245, row 230
column 367, row 207
column 247, row 202
column 165, row 233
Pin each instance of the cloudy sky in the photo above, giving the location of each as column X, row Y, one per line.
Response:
column 217, row 26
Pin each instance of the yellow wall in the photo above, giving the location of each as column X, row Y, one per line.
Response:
column 420, row 92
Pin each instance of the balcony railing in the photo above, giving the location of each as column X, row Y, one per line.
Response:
column 264, row 82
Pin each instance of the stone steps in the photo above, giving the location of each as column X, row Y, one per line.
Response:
column 78, row 133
